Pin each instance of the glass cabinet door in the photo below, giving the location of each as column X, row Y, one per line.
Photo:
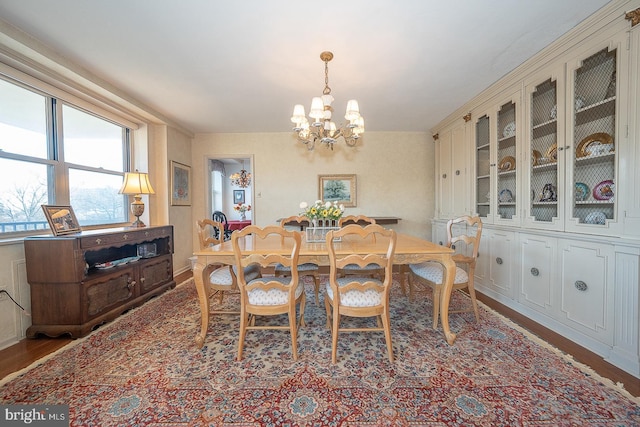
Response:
column 506, row 166
column 593, row 155
column 483, row 170
column 543, row 175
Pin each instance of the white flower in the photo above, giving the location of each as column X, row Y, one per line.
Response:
column 304, row 205
column 342, row 208
column 327, row 205
column 318, row 202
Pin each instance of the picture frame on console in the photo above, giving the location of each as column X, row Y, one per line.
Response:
column 338, row 188
column 62, row 220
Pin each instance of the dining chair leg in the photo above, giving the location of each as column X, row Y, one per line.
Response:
column 386, row 321
column 316, row 282
column 327, row 307
column 303, row 304
column 436, row 306
column 334, row 335
column 410, row 282
column 472, row 294
column 294, row 332
column 403, row 270
column 243, row 331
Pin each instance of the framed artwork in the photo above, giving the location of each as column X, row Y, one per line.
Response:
column 338, row 188
column 180, row 184
column 238, row 196
column 62, row 219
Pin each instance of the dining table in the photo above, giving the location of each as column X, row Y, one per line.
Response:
column 409, row 250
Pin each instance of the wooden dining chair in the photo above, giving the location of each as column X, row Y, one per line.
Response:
column 220, row 217
column 269, row 295
column 370, row 270
column 222, row 278
column 359, row 296
column 304, row 269
column 463, row 235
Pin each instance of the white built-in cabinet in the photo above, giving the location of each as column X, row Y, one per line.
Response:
column 452, row 172
column 554, row 172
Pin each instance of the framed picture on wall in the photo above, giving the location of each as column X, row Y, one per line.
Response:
column 337, row 188
column 238, row 196
column 62, row 219
column 180, row 184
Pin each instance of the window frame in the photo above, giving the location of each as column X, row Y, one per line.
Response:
column 58, row 175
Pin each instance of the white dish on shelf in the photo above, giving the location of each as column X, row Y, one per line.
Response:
column 509, row 130
column 595, row 218
column 505, row 196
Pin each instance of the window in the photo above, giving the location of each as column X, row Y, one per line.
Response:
column 52, row 152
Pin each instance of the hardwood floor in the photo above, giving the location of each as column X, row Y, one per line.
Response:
column 22, row 354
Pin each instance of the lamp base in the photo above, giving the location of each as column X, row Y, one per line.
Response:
column 137, row 223
column 137, row 209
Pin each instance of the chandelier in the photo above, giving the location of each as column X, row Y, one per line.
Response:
column 241, row 179
column 322, row 128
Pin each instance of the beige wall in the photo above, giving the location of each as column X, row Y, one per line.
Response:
column 179, row 150
column 395, row 175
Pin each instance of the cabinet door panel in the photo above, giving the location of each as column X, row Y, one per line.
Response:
column 586, row 293
column 537, row 268
column 109, row 291
column 154, row 273
column 444, row 179
column 460, row 185
column 501, row 262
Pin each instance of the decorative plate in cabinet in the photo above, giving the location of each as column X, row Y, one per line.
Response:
column 507, row 164
column 595, row 145
column 582, row 191
column 604, row 190
column 505, row 196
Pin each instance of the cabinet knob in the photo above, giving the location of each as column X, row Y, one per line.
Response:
column 535, row 271
column 142, row 279
column 560, row 148
column 444, row 175
column 453, row 247
column 146, row 234
column 125, row 236
column 131, row 284
column 457, row 172
column 492, row 164
column 98, row 241
column 580, row 285
column 499, row 260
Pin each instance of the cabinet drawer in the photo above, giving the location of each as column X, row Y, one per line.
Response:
column 130, row 236
column 108, row 291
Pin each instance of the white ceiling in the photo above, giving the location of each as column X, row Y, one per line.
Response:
column 240, row 66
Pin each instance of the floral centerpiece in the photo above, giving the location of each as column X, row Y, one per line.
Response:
column 323, row 217
column 242, row 208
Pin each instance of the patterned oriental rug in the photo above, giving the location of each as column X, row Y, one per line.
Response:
column 145, row 370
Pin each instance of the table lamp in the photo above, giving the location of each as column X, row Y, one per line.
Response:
column 136, row 184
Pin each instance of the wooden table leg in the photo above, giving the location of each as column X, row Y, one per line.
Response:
column 200, row 276
column 445, row 298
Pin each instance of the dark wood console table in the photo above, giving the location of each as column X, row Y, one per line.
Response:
column 76, row 285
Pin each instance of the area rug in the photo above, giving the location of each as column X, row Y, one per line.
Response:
column 145, row 370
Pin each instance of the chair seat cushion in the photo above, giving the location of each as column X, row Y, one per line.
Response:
column 366, row 267
column 273, row 296
column 307, row 266
column 222, row 276
column 355, row 298
column 433, row 272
